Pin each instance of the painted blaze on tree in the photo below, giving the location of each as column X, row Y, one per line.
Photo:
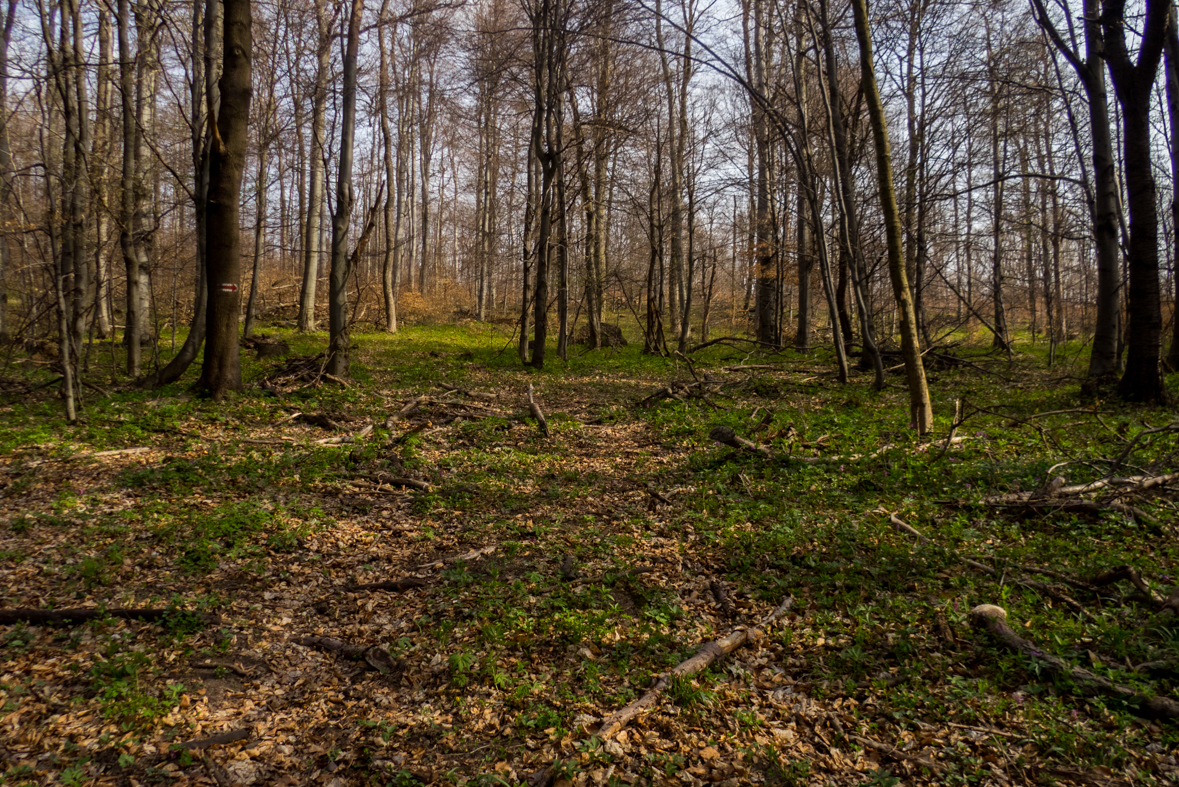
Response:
column 222, row 364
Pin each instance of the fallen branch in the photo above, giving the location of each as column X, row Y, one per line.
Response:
column 236, row 670
column 392, row 480
column 534, row 408
column 487, row 397
column 465, row 558
column 220, row 739
column 394, row 585
column 51, row 617
column 993, row 620
column 726, row 436
column 902, row 526
column 376, row 657
column 1129, row 573
column 895, row 753
column 348, row 438
column 1041, row 587
column 721, row 594
column 705, row 656
column 119, row 452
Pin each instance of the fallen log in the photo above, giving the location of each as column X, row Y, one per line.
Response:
column 709, row 653
column 993, row 620
column 52, row 617
column 392, row 480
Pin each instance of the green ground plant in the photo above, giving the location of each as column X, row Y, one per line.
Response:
column 232, row 511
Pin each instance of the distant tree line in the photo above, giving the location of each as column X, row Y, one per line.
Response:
column 810, row 172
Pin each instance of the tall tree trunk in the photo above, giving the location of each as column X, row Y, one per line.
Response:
column 338, row 361
column 5, row 161
column 765, row 253
column 998, row 161
column 1103, row 205
column 1133, row 83
column 100, row 158
column 920, row 408
column 849, row 226
column 390, row 270
column 313, row 243
column 221, row 372
column 1171, row 52
column 259, row 238
column 207, row 58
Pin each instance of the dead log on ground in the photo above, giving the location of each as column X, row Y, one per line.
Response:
column 393, row 480
column 704, row 657
column 993, row 620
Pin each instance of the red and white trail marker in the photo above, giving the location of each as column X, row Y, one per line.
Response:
column 228, row 288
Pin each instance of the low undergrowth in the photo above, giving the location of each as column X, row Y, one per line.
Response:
column 596, row 555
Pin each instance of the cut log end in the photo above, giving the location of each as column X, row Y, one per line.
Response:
column 982, row 615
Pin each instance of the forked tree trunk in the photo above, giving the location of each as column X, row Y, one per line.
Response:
column 1133, row 82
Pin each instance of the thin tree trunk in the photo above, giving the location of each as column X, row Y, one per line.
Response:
column 5, row 161
column 207, row 56
column 920, row 408
column 312, row 246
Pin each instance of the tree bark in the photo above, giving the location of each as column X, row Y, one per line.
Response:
column 1133, row 84
column 920, row 409
column 339, row 344
column 313, row 241
column 221, row 372
column 207, row 57
column 5, row 160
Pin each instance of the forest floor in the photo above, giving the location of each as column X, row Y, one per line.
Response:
column 547, row 582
